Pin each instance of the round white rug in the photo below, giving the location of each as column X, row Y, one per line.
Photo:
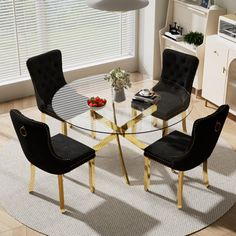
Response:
column 116, row 208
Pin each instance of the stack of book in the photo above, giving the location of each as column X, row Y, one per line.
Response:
column 153, row 98
column 176, row 37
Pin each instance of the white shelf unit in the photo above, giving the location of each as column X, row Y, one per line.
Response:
column 191, row 17
column 219, row 78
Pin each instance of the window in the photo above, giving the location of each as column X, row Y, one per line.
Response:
column 84, row 35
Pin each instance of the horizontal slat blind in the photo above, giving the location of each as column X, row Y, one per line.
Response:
column 84, row 35
column 9, row 66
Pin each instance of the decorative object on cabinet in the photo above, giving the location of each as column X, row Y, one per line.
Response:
column 192, row 17
column 219, row 79
column 205, row 3
column 195, row 38
column 114, row 5
column 175, row 32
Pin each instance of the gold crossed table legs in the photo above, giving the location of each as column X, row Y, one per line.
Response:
column 121, row 130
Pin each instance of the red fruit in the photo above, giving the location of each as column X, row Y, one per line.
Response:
column 97, row 99
column 96, row 102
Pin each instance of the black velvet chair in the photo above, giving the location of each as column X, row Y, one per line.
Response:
column 182, row 152
column 56, row 155
column 47, row 77
column 177, row 77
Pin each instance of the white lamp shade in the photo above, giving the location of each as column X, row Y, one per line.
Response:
column 117, row 5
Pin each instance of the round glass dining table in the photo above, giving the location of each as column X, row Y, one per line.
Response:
column 70, row 103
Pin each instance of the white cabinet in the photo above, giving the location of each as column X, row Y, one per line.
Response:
column 191, row 17
column 231, row 82
column 219, row 78
column 214, row 81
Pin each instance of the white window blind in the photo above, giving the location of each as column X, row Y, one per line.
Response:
column 84, row 35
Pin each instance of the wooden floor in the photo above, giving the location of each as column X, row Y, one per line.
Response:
column 225, row 226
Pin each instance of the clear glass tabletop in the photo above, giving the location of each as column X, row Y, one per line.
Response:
column 70, row 103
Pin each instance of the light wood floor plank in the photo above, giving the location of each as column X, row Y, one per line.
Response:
column 19, row 231
column 7, row 222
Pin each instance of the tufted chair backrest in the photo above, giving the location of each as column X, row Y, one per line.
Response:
column 36, row 143
column 179, row 68
column 47, row 76
column 205, row 134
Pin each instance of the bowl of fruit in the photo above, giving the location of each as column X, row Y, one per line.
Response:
column 96, row 102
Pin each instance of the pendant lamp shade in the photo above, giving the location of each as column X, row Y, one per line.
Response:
column 117, row 5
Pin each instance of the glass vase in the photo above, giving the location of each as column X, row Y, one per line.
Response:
column 119, row 95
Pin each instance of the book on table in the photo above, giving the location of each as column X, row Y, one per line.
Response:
column 152, row 98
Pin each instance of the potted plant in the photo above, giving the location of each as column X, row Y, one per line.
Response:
column 195, row 38
column 120, row 80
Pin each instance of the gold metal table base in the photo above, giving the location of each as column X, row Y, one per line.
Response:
column 121, row 130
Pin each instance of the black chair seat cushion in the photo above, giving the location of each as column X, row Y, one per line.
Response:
column 174, row 100
column 169, row 150
column 73, row 152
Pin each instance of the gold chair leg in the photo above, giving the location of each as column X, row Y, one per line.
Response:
column 180, row 189
column 92, row 175
column 93, row 123
column 61, row 193
column 64, row 128
column 184, row 122
column 147, row 173
column 134, row 127
column 43, row 117
column 205, row 174
column 32, row 178
column 165, row 128
column 174, row 171
column 122, row 160
column 205, row 103
column 154, row 121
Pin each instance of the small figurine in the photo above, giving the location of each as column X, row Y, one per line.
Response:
column 175, row 32
column 176, row 29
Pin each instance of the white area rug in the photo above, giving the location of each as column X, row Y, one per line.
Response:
column 116, row 208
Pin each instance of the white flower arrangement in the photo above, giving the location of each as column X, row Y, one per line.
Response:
column 119, row 79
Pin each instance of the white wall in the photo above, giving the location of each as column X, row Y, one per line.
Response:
column 161, row 9
column 230, row 5
column 146, row 38
column 151, row 20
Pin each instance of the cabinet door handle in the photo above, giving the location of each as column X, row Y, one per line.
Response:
column 224, row 69
column 216, row 53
